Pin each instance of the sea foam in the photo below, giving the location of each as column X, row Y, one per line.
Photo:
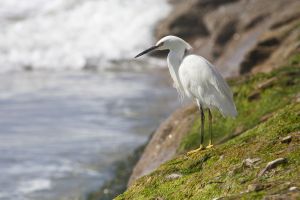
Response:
column 67, row 34
column 34, row 185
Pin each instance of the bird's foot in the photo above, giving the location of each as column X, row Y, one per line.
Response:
column 209, row 146
column 201, row 148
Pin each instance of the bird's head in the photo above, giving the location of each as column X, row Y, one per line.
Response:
column 169, row 42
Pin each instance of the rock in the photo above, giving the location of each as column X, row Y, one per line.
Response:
column 255, row 57
column 231, row 39
column 297, row 98
column 292, row 189
column 250, row 162
column 266, row 84
column 255, row 187
column 185, row 21
column 173, row 176
column 275, row 45
column 277, row 197
column 271, row 165
column 221, row 157
column 223, row 36
column 286, row 139
column 164, row 142
column 218, row 198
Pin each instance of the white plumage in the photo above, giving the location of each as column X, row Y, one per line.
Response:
column 197, row 78
column 201, row 81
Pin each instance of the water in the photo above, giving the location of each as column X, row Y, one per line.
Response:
column 60, row 132
column 61, row 126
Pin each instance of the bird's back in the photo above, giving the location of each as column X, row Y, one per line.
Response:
column 202, row 81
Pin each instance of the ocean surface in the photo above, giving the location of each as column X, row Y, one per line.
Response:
column 72, row 101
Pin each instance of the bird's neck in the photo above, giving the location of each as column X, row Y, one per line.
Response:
column 174, row 60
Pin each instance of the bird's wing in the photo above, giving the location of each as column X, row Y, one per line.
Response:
column 200, row 71
column 219, row 83
column 201, row 78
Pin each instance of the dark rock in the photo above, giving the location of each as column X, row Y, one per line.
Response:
column 188, row 25
column 255, row 21
column 226, row 32
column 223, row 36
column 269, row 42
column 254, row 57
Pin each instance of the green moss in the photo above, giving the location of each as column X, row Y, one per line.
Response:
column 221, row 171
column 295, row 59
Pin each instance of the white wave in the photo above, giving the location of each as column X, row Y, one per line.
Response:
column 30, row 168
column 62, row 34
column 34, row 185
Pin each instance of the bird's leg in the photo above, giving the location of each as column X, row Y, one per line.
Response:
column 210, row 145
column 202, row 127
column 201, row 130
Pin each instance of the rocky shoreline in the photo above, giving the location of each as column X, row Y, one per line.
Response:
column 278, row 40
column 241, row 37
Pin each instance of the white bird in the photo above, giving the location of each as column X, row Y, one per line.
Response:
column 197, row 78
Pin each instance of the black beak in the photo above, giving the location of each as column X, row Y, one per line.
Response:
column 147, row 51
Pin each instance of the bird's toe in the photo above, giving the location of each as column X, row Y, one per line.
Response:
column 201, row 148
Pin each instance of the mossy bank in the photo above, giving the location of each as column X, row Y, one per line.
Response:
column 240, row 167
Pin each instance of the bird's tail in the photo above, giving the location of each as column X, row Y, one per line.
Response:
column 229, row 109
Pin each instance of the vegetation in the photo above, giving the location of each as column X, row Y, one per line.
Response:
column 267, row 128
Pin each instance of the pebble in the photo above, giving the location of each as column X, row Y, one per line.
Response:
column 286, row 139
column 293, row 189
column 173, row 176
column 250, row 162
column 255, row 188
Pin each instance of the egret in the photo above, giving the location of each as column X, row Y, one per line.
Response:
column 197, row 78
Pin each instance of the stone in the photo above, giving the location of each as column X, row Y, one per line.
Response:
column 255, row 187
column 271, row 165
column 286, row 139
column 250, row 162
column 173, row 176
column 292, row 189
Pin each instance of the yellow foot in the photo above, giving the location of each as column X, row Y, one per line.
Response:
column 196, row 150
column 209, row 146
